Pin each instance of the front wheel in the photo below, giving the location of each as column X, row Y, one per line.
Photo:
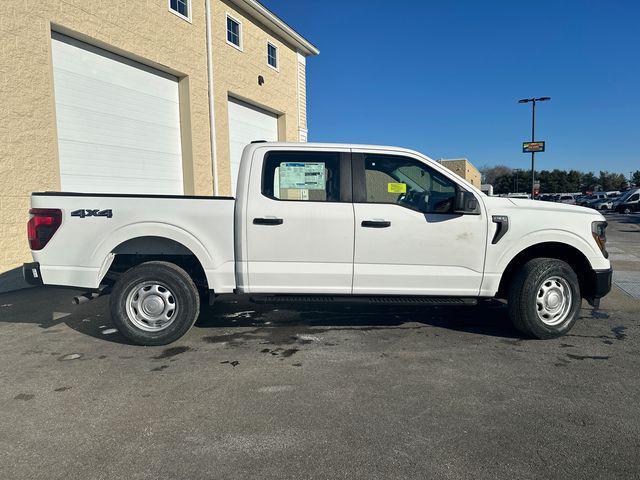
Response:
column 154, row 303
column 626, row 210
column 544, row 300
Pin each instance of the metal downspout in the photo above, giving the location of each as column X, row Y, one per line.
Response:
column 212, row 117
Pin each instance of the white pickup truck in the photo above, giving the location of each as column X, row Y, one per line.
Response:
column 322, row 222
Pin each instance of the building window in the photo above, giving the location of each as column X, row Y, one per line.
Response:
column 182, row 8
column 234, row 32
column 272, row 55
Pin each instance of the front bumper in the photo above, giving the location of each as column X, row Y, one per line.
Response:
column 31, row 273
column 600, row 285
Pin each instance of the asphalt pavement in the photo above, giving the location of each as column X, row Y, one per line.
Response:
column 331, row 391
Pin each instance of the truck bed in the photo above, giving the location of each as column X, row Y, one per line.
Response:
column 97, row 226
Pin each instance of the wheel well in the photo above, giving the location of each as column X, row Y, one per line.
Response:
column 139, row 250
column 560, row 251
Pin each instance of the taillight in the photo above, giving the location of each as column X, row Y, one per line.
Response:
column 42, row 225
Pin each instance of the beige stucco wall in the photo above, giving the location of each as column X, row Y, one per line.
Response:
column 465, row 169
column 145, row 31
column 236, row 73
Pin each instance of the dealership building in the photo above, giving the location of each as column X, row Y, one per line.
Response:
column 149, row 97
column 464, row 168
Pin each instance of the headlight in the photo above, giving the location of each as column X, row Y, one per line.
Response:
column 598, row 230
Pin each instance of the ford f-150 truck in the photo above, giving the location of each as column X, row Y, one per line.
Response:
column 322, row 222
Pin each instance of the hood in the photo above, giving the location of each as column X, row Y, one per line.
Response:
column 540, row 206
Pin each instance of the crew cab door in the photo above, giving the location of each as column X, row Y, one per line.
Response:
column 408, row 241
column 299, row 222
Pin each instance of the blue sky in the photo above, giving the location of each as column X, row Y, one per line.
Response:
column 444, row 77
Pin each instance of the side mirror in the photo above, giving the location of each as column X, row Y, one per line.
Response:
column 466, row 203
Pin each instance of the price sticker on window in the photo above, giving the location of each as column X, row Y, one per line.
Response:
column 397, row 187
column 303, row 175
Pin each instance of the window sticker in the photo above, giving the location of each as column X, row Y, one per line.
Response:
column 396, row 187
column 305, row 176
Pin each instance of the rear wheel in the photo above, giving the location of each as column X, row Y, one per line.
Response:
column 154, row 303
column 544, row 300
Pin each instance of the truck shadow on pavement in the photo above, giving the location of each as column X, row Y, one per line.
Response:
column 50, row 307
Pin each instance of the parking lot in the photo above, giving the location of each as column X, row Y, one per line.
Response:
column 257, row 391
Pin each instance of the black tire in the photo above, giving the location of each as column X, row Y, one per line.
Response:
column 182, row 293
column 626, row 210
column 524, row 295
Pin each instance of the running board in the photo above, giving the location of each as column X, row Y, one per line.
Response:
column 371, row 300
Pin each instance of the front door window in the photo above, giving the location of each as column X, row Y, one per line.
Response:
column 408, row 183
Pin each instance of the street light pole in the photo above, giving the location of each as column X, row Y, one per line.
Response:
column 533, row 136
column 533, row 154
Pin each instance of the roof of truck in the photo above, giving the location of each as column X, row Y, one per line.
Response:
column 333, row 146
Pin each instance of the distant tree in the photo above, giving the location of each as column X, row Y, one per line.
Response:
column 611, row 181
column 574, row 181
column 507, row 180
column 490, row 174
column 503, row 184
column 588, row 182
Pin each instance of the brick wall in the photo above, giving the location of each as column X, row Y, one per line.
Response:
column 143, row 30
column 236, row 74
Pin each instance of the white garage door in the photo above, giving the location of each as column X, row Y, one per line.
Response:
column 118, row 122
column 246, row 124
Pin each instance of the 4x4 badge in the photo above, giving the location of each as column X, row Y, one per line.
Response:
column 83, row 213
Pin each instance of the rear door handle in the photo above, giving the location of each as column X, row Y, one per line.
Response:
column 376, row 223
column 268, row 221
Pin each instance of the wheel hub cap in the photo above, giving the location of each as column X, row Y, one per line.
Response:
column 553, row 302
column 151, row 306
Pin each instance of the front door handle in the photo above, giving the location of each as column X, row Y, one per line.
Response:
column 268, row 221
column 376, row 223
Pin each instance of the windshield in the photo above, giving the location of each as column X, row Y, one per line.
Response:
column 627, row 194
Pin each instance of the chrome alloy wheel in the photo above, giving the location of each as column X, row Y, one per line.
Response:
column 151, row 306
column 553, row 301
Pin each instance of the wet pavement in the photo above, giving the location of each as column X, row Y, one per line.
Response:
column 328, row 391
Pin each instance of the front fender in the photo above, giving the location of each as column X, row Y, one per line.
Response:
column 500, row 256
column 595, row 258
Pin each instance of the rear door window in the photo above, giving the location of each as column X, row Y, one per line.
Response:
column 302, row 176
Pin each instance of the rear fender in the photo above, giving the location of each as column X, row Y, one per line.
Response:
column 105, row 249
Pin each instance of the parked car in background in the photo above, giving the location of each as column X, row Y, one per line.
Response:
column 630, row 204
column 568, row 199
column 592, row 198
column 623, row 197
column 602, row 204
